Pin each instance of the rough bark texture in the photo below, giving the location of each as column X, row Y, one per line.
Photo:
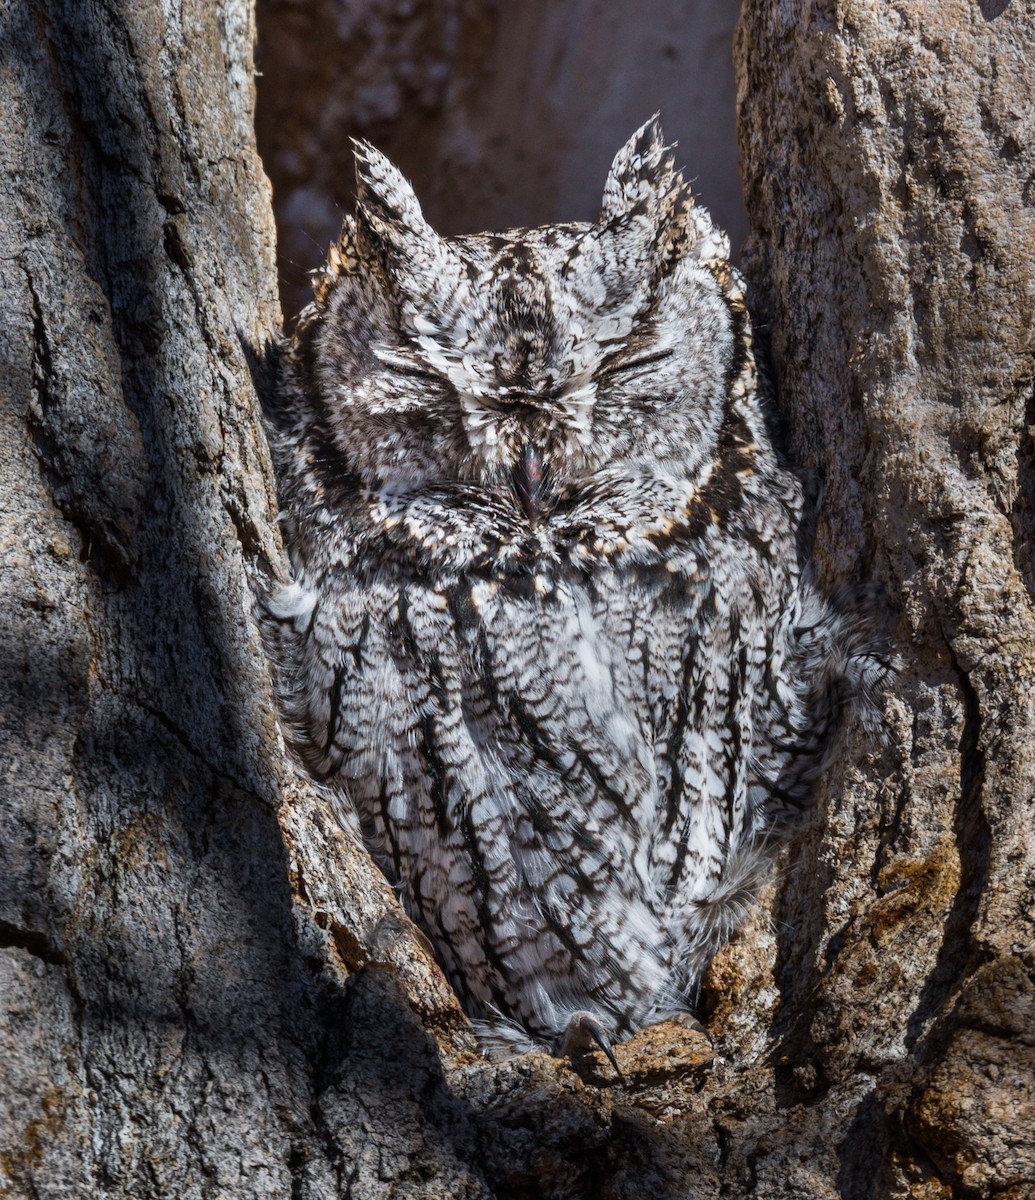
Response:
column 889, row 155
column 501, row 113
column 205, row 990
column 171, row 1003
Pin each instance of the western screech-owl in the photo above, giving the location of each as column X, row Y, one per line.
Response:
column 549, row 634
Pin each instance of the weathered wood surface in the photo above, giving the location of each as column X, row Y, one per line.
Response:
column 172, row 1004
column 889, row 157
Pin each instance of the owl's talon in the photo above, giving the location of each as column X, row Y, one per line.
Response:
column 689, row 1021
column 585, row 1029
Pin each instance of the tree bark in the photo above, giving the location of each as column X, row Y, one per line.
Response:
column 173, row 961
column 205, row 989
column 889, row 160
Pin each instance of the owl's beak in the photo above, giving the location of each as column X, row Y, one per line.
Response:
column 532, row 481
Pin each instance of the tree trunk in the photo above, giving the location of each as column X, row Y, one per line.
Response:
column 889, row 159
column 174, row 954
column 205, row 989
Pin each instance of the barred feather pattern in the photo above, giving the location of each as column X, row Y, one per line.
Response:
column 549, row 636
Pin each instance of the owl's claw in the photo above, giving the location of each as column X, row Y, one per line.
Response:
column 585, row 1029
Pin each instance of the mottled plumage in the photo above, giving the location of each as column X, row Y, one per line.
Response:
column 549, row 636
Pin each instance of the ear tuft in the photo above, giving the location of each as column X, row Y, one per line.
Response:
column 391, row 237
column 386, row 202
column 643, row 179
column 648, row 205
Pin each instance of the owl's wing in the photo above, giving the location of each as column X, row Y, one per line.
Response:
column 754, row 671
column 712, row 653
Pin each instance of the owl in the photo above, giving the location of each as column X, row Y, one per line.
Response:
column 550, row 640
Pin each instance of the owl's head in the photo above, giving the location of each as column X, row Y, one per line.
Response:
column 535, row 360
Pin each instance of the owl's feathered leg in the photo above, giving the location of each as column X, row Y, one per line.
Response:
column 584, row 1031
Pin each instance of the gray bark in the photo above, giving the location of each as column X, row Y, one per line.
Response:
column 205, row 989
column 172, row 968
column 889, row 154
